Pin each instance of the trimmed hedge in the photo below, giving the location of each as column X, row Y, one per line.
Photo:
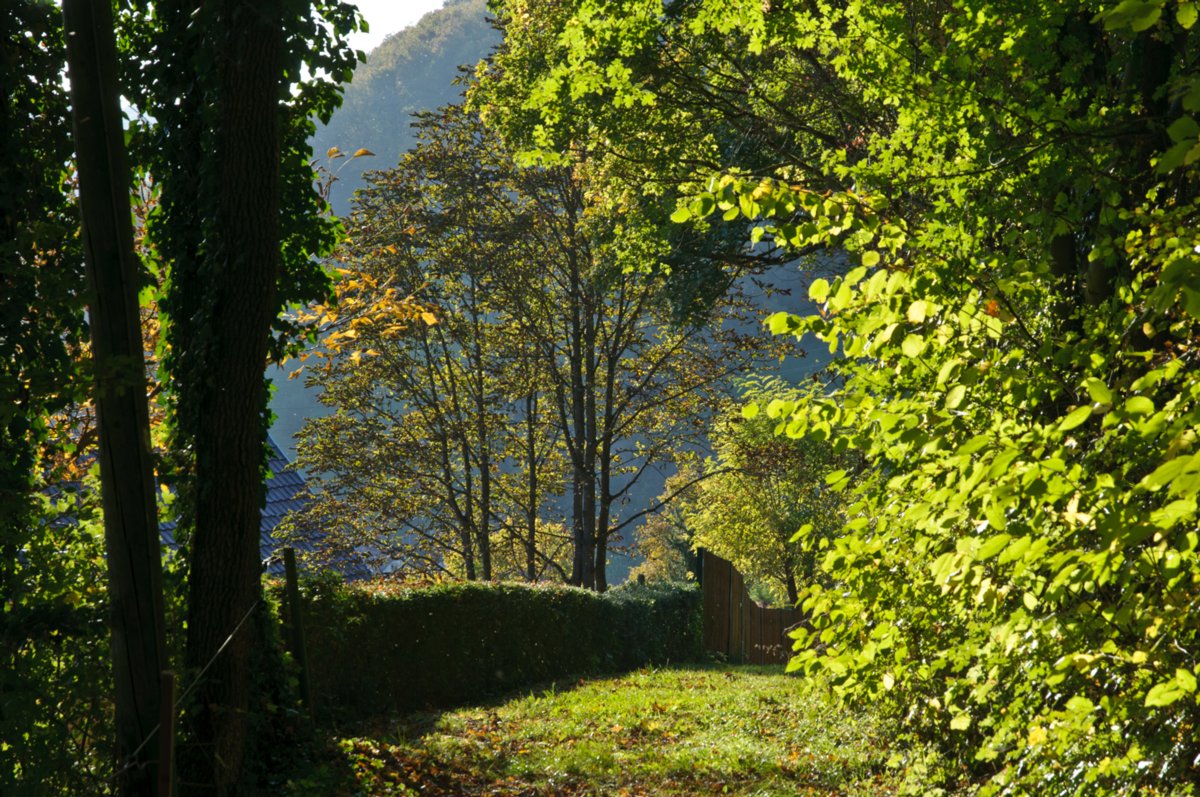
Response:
column 371, row 652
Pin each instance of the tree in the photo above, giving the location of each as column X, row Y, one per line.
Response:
column 544, row 344
column 1016, row 346
column 426, row 403
column 122, row 415
column 627, row 382
column 762, row 496
column 236, row 231
column 707, row 97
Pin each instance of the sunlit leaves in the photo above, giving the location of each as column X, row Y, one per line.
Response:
column 1015, row 321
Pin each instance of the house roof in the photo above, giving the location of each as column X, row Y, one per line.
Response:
column 285, row 493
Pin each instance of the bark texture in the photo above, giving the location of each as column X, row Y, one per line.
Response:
column 126, row 469
column 225, row 583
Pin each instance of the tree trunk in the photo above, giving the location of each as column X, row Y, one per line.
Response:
column 581, row 560
column 793, row 591
column 589, row 442
column 531, row 510
column 241, row 271
column 126, row 469
column 483, row 437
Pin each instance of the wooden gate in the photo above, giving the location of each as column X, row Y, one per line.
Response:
column 735, row 625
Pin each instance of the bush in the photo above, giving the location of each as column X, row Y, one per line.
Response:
column 372, row 652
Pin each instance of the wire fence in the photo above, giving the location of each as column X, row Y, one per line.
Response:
column 131, row 760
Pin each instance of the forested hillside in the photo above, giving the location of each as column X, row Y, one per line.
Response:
column 412, row 70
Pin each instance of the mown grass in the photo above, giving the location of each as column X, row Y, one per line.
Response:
column 701, row 730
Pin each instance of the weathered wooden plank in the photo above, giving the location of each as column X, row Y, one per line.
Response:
column 755, row 635
column 735, row 625
column 717, row 573
column 737, row 592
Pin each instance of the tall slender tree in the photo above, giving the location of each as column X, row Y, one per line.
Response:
column 126, row 469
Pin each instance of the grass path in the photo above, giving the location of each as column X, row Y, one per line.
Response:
column 706, row 730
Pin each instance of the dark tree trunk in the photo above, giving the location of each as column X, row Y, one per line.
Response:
column 589, row 441
column 126, row 469
column 483, row 437
column 581, row 560
column 793, row 591
column 242, row 271
column 531, row 463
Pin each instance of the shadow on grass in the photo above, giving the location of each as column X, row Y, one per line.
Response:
column 708, row 728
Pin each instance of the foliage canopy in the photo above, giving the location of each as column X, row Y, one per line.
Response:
column 1016, row 348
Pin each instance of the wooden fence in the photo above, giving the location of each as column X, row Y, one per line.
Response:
column 737, row 626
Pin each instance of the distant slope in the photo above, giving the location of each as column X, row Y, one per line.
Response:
column 412, row 70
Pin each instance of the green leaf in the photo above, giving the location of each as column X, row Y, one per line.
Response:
column 916, row 312
column 1077, row 417
column 1186, row 15
column 1174, row 512
column 1015, row 550
column 747, row 205
column 1098, row 391
column 960, row 722
column 779, row 323
column 1164, row 694
column 946, row 371
column 1164, row 473
column 992, row 546
column 1138, row 15
column 1139, row 405
column 955, row 396
column 819, row 290
column 1184, row 128
column 680, row 215
column 1186, row 680
column 870, row 258
column 912, row 346
column 804, row 531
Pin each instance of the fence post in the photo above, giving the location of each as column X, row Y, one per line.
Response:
column 166, row 734
column 296, row 626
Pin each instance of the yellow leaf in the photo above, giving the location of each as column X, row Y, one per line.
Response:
column 332, row 152
column 429, row 318
column 916, row 311
column 360, row 152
